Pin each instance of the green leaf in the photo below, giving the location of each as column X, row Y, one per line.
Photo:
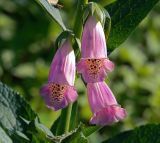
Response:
column 54, row 12
column 12, row 108
column 126, row 15
column 4, row 138
column 144, row 134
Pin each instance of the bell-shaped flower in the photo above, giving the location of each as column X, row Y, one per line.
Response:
column 94, row 64
column 103, row 104
column 60, row 91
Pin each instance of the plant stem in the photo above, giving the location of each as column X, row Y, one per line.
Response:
column 78, row 31
column 78, row 20
column 69, row 110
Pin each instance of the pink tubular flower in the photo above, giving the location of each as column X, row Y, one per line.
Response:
column 103, row 104
column 94, row 64
column 60, row 91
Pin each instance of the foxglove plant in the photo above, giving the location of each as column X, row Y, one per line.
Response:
column 60, row 91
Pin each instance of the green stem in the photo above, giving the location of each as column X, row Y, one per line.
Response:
column 78, row 26
column 69, row 110
column 78, row 31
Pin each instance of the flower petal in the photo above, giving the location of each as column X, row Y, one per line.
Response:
column 108, row 115
column 109, row 65
column 100, row 96
column 62, row 69
column 93, row 40
column 94, row 70
column 71, row 94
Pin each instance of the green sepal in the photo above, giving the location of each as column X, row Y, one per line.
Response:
column 101, row 14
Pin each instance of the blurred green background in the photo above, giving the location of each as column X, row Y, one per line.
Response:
column 27, row 36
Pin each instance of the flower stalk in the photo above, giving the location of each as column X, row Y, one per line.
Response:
column 78, row 26
column 69, row 110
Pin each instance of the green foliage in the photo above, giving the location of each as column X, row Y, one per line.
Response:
column 143, row 134
column 12, row 108
column 125, row 16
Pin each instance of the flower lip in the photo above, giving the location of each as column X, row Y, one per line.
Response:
column 58, row 96
column 94, row 69
column 108, row 115
column 103, row 104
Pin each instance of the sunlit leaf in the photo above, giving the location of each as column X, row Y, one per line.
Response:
column 126, row 15
column 54, row 12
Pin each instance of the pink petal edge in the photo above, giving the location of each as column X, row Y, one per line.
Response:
column 108, row 115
